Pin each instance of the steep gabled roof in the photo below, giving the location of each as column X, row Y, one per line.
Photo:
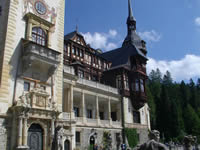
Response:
column 120, row 56
column 72, row 35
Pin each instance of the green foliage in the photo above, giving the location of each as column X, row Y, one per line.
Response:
column 90, row 147
column 174, row 107
column 132, row 137
column 106, row 140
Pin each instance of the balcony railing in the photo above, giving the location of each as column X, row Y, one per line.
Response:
column 35, row 55
column 97, row 85
column 116, row 123
column 89, row 83
column 136, row 125
column 105, row 122
column 91, row 121
column 41, row 51
column 67, row 116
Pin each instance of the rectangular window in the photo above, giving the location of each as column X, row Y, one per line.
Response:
column 89, row 113
column 126, row 84
column 68, row 50
column 26, row 86
column 119, row 82
column 101, row 115
column 73, row 50
column 90, row 59
column 77, row 51
column 142, row 85
column 137, row 85
column 136, row 116
column 78, row 137
column 76, row 111
column 114, row 116
column 81, row 53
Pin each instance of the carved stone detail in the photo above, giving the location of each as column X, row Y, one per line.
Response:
column 36, row 98
column 29, row 5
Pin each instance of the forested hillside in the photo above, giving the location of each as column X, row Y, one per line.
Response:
column 174, row 107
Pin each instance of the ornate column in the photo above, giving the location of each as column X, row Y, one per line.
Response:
column 83, row 106
column 52, row 127
column 25, row 132
column 45, row 139
column 71, row 98
column 20, row 131
column 109, row 111
column 29, row 29
column 97, row 109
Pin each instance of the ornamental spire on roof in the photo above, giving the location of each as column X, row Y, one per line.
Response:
column 130, row 14
column 131, row 25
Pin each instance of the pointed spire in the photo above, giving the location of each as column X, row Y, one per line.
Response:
column 131, row 25
column 130, row 9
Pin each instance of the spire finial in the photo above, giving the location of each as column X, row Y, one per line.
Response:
column 130, row 14
column 76, row 28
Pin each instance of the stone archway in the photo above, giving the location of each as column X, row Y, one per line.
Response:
column 67, row 145
column 35, row 137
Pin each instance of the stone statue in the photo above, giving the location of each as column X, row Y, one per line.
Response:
column 188, row 142
column 153, row 143
column 57, row 143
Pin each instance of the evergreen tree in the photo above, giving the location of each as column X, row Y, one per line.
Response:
column 167, row 79
column 192, row 121
column 152, row 105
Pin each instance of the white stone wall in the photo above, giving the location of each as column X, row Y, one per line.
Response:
column 128, row 113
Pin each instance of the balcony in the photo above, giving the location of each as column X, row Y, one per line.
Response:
column 40, row 58
column 136, row 125
column 66, row 116
column 97, row 85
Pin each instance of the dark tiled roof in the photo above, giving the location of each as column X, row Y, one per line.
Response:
column 71, row 35
column 121, row 55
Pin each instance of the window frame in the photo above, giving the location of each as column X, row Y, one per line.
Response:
column 39, row 36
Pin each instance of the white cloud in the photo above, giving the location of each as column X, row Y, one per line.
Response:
column 101, row 40
column 183, row 69
column 197, row 21
column 112, row 33
column 151, row 36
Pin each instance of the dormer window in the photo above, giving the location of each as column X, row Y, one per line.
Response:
column 39, row 36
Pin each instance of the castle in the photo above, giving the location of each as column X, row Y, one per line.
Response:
column 57, row 92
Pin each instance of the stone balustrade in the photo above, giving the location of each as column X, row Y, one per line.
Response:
column 136, row 125
column 97, row 86
column 89, row 83
column 42, row 51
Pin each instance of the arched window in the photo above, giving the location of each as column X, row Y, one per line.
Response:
column 39, row 36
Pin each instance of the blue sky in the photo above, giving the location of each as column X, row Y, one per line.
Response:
column 171, row 29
